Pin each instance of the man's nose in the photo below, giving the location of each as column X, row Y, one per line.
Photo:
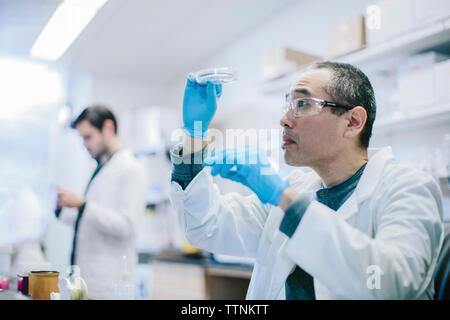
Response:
column 286, row 121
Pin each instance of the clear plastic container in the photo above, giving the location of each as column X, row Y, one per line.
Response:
column 125, row 288
column 216, row 75
column 73, row 287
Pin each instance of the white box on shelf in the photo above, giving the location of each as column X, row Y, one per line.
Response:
column 417, row 81
column 428, row 11
column 421, row 60
column 442, row 80
column 387, row 19
column 416, row 89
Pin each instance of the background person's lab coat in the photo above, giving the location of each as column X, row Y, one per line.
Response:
column 383, row 243
column 107, row 230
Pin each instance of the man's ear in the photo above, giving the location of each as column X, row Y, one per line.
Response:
column 357, row 118
column 108, row 125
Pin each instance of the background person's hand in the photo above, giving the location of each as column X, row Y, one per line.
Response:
column 68, row 198
column 199, row 106
column 250, row 167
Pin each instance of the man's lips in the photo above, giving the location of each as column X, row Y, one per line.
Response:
column 287, row 140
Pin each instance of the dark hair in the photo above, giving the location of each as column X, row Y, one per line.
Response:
column 96, row 115
column 349, row 85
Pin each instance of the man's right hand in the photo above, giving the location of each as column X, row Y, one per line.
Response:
column 199, row 106
column 68, row 198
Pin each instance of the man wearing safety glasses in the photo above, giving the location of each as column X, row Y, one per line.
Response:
column 358, row 226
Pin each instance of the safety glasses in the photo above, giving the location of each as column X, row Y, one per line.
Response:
column 303, row 106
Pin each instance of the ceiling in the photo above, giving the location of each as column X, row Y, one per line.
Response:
column 150, row 40
column 21, row 21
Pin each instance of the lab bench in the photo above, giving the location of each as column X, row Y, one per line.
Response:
column 177, row 277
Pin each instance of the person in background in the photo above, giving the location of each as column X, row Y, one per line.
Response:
column 105, row 217
column 358, row 226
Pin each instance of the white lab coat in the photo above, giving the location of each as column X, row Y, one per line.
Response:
column 382, row 243
column 107, row 230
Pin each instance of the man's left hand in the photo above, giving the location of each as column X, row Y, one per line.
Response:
column 68, row 198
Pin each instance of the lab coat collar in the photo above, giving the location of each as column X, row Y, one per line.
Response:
column 116, row 156
column 378, row 158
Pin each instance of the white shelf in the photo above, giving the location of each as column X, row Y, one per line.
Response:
column 380, row 57
column 429, row 117
column 409, row 43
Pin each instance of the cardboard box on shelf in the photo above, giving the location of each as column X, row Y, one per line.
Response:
column 280, row 61
column 429, row 11
column 347, row 36
column 387, row 19
column 442, row 81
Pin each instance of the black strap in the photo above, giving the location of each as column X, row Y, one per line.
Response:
column 81, row 210
column 300, row 285
column 80, row 214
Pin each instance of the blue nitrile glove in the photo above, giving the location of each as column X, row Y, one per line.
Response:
column 199, row 106
column 251, row 168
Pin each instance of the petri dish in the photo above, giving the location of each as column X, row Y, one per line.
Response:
column 216, row 75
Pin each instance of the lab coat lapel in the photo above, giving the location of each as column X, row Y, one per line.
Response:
column 108, row 166
column 378, row 158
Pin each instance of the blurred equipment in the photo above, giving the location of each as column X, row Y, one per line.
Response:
column 42, row 284
column 125, row 288
column 73, row 287
column 22, row 284
column 4, row 282
column 23, row 217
